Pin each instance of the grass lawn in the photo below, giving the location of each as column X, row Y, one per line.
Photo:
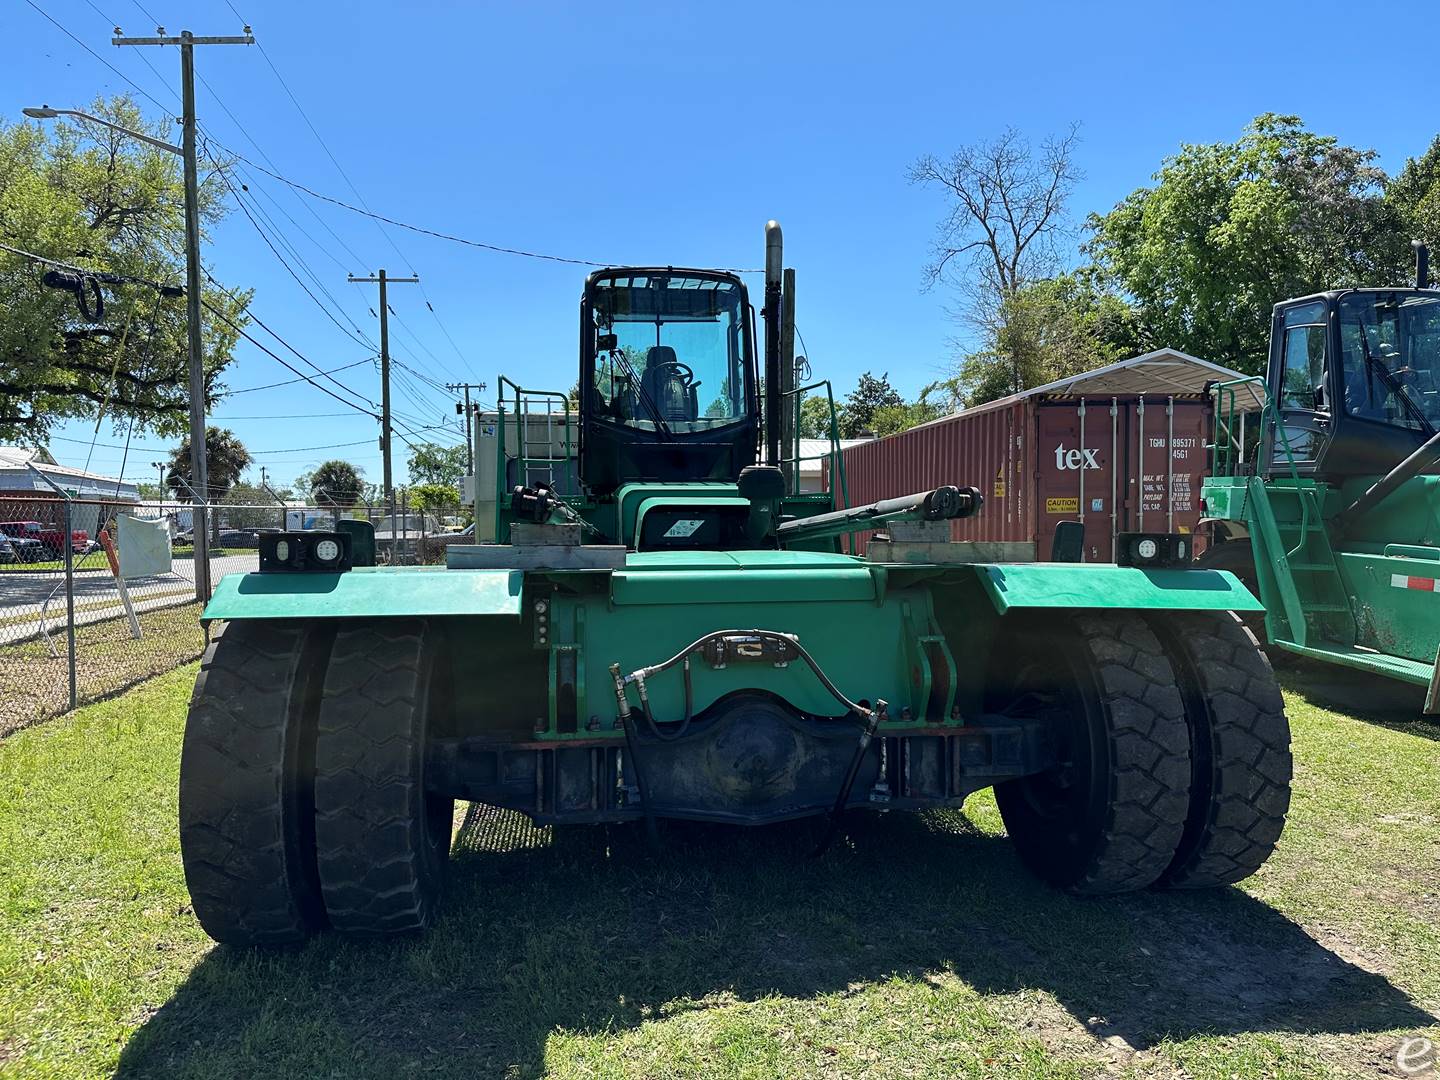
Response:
column 34, row 684
column 918, row 948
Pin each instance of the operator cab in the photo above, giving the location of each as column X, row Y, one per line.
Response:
column 667, row 377
column 1355, row 377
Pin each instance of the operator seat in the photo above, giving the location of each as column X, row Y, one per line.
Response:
column 666, row 388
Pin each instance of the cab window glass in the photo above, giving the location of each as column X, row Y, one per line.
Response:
column 1302, row 378
column 1390, row 347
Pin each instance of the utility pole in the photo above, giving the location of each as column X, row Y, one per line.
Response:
column 469, row 444
column 161, row 466
column 381, row 280
column 199, row 485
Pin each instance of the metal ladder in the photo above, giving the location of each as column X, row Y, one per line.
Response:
column 1311, row 587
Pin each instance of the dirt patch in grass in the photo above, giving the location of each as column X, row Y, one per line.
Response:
column 35, row 685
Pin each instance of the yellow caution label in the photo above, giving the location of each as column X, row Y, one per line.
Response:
column 1062, row 506
column 999, row 483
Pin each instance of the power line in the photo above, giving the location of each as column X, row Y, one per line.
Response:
column 143, row 92
column 324, row 446
column 281, row 360
column 100, row 275
column 302, row 378
column 250, row 314
column 244, row 208
column 418, row 228
column 349, row 183
column 499, row 249
column 109, row 446
column 279, row 416
column 301, row 201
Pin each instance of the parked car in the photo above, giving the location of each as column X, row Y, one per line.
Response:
column 238, row 538
column 53, row 539
column 401, row 534
column 184, row 538
column 20, row 549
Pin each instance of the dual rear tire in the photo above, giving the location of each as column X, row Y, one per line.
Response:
column 303, row 801
column 302, row 791
column 1172, row 751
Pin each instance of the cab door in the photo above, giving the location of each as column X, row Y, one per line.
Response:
column 1299, row 365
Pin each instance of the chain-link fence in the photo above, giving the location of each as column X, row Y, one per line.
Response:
column 97, row 595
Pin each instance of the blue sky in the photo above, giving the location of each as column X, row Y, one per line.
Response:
column 649, row 133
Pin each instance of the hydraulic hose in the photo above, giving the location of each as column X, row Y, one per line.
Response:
column 638, row 677
column 651, row 830
column 872, row 721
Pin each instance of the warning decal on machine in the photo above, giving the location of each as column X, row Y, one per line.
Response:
column 1404, row 581
column 1062, row 506
column 684, row 527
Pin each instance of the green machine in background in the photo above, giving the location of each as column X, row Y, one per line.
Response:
column 1327, row 503
column 668, row 630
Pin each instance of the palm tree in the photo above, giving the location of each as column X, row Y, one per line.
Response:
column 226, row 459
column 336, row 484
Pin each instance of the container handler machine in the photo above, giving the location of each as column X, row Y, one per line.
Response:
column 1327, row 504
column 671, row 632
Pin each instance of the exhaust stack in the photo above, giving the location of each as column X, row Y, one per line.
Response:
column 1422, row 264
column 774, row 273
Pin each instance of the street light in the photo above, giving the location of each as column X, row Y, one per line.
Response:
column 198, row 472
column 45, row 112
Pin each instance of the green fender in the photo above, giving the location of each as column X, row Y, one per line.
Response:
column 1081, row 585
column 367, row 592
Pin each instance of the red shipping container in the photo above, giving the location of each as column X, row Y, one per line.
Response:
column 1116, row 462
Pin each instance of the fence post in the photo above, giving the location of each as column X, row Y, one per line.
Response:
column 69, row 549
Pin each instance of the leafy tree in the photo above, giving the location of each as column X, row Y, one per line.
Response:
column 335, row 483
column 87, row 196
column 1414, row 195
column 250, row 506
column 814, row 419
column 434, row 464
column 857, row 414
column 434, row 498
column 1047, row 330
column 1230, row 228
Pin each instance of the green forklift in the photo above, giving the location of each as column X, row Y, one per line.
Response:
column 668, row 629
column 1324, row 499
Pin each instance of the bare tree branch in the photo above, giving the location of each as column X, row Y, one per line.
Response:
column 1007, row 208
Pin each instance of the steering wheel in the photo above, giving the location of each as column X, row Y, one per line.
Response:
column 685, row 372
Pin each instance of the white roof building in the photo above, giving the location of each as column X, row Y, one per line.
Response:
column 17, row 478
column 814, row 468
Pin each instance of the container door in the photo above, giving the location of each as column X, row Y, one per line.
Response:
column 1077, row 444
column 1170, row 462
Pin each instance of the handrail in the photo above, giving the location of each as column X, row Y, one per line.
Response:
column 1269, row 414
column 837, row 458
column 523, row 397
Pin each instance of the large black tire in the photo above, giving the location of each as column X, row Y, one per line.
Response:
column 246, row 784
column 1240, row 749
column 382, row 841
column 1238, row 557
column 1110, row 816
